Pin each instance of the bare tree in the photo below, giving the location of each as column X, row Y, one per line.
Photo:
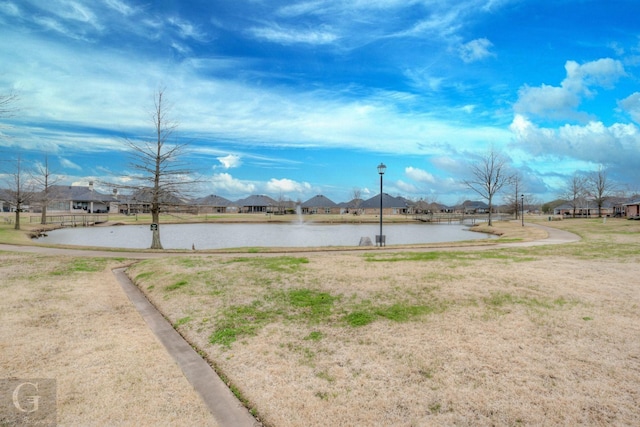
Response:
column 574, row 192
column 356, row 196
column 600, row 187
column 160, row 171
column 489, row 175
column 45, row 178
column 512, row 200
column 20, row 192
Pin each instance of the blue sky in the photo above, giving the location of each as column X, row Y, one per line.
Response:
column 298, row 98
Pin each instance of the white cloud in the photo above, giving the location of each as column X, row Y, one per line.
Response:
column 419, row 175
column 276, row 186
column 68, row 164
column 631, row 104
column 224, row 183
column 406, row 187
column 277, row 34
column 475, row 50
column 230, row 161
column 562, row 101
column 594, row 142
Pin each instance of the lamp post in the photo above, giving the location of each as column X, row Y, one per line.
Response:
column 381, row 169
column 522, row 205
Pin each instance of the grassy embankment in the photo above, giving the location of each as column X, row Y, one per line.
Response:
column 546, row 334
column 535, row 335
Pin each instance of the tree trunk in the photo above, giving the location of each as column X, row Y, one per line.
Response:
column 43, row 217
column 18, row 207
column 155, row 239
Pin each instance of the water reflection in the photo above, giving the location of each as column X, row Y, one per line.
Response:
column 220, row 236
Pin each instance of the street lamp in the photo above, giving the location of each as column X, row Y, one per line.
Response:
column 522, row 205
column 381, row 169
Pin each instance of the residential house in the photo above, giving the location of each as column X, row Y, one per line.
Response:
column 257, row 204
column 390, row 205
column 214, row 204
column 473, row 207
column 351, row 207
column 80, row 199
column 589, row 208
column 632, row 208
column 319, row 204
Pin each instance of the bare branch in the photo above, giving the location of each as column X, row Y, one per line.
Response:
column 488, row 177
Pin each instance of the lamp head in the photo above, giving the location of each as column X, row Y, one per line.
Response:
column 381, row 168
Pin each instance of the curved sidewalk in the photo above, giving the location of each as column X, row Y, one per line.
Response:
column 223, row 405
column 555, row 237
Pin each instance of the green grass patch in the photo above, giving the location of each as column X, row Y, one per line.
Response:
column 182, row 321
column 401, row 312
column 278, row 264
column 76, row 265
column 506, row 255
column 318, row 304
column 501, row 299
column 143, row 276
column 314, row 336
column 241, row 320
column 359, row 318
column 177, row 285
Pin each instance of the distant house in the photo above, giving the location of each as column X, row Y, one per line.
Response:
column 390, row 205
column 632, row 208
column 80, row 199
column 319, row 204
column 474, row 207
column 214, row 204
column 141, row 201
column 257, row 204
column 5, row 201
column 351, row 207
column 589, row 208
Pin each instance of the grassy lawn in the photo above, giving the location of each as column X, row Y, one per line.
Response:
column 536, row 335
column 456, row 335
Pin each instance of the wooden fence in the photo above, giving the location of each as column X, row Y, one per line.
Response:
column 71, row 220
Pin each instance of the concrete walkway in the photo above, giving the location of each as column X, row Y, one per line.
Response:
column 223, row 405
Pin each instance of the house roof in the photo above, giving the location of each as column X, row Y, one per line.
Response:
column 387, row 202
column 319, row 201
column 351, row 203
column 213, row 200
column 78, row 193
column 475, row 204
column 256, row 200
column 145, row 195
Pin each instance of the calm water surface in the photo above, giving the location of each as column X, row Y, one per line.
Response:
column 221, row 236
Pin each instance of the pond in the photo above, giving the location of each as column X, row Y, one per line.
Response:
column 224, row 236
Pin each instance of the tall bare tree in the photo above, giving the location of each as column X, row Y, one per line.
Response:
column 158, row 162
column 20, row 191
column 513, row 197
column 488, row 176
column 574, row 191
column 356, row 198
column 600, row 187
column 45, row 178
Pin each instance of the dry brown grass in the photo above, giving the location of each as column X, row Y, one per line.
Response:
column 533, row 336
column 68, row 319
